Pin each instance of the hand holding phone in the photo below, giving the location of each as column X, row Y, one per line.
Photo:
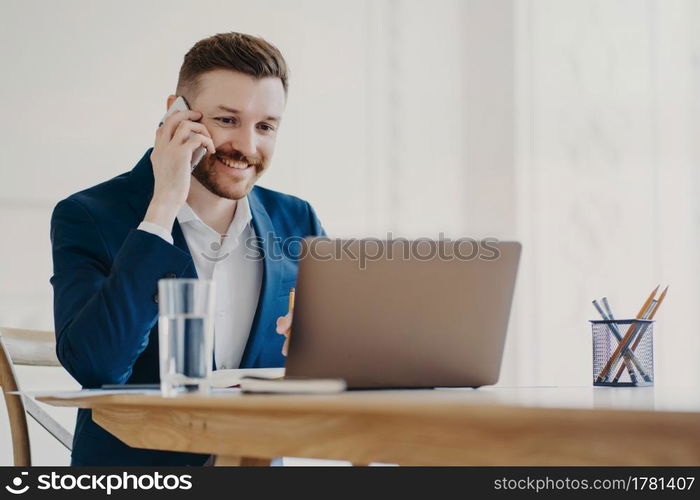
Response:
column 180, row 105
column 180, row 144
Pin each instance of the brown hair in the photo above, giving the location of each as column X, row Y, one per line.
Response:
column 235, row 51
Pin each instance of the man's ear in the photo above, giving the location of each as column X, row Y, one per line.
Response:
column 171, row 100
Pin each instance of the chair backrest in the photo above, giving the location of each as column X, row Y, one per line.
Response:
column 27, row 347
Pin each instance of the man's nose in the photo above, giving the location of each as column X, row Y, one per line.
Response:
column 244, row 141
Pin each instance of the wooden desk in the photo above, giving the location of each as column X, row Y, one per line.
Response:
column 488, row 426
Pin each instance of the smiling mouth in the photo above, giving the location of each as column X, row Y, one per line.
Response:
column 235, row 164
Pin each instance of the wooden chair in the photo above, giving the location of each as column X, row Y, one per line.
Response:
column 27, row 347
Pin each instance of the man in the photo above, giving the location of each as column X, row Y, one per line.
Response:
column 114, row 241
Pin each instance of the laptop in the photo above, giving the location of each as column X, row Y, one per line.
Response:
column 400, row 314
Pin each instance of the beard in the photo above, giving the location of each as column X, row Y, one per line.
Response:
column 217, row 182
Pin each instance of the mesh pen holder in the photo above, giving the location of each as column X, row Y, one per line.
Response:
column 634, row 365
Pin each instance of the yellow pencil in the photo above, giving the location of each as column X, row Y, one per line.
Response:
column 639, row 337
column 613, row 359
column 285, row 347
column 291, row 307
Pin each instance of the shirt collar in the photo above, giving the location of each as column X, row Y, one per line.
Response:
column 241, row 218
column 186, row 214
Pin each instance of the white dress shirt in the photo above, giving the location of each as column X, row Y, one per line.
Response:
column 238, row 279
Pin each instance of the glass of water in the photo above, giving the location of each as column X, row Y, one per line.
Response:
column 185, row 334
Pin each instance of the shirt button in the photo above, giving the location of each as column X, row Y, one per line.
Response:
column 170, row 276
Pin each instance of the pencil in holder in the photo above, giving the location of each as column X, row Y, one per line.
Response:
column 633, row 365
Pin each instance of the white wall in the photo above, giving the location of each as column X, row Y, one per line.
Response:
column 606, row 162
column 567, row 124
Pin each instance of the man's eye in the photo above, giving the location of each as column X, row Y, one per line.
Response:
column 266, row 127
column 226, row 120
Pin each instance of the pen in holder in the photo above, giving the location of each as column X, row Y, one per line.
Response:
column 633, row 365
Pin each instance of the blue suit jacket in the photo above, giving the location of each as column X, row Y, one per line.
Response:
column 105, row 282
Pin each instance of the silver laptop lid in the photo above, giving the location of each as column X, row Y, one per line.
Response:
column 402, row 313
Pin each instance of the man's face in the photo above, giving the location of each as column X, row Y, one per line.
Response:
column 242, row 115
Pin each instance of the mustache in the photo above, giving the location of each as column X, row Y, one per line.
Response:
column 238, row 156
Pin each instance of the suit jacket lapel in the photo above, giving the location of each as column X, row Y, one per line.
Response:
column 180, row 242
column 263, row 327
column 141, row 181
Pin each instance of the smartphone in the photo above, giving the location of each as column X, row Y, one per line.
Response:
column 181, row 105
